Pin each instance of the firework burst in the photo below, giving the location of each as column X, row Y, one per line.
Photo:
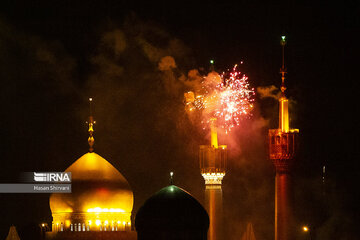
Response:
column 227, row 98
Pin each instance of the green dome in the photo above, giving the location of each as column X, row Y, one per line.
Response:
column 172, row 209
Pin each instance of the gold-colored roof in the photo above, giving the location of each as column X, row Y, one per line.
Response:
column 96, row 184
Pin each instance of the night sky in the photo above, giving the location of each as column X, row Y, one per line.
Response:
column 54, row 55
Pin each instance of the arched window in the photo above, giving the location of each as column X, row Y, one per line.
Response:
column 71, row 227
column 277, row 139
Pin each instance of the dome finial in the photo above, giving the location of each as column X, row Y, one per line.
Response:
column 91, row 123
column 171, row 178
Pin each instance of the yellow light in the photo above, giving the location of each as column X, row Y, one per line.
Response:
column 90, row 222
column 214, row 138
column 67, row 223
column 97, row 222
column 99, row 210
column 43, row 224
column 305, row 228
column 106, row 222
column 284, row 115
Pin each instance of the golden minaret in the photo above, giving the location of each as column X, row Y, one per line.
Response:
column 282, row 150
column 213, row 167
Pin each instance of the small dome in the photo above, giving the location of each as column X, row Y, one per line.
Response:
column 172, row 209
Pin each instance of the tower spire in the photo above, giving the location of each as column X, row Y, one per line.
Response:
column 91, row 123
column 283, row 69
column 283, row 101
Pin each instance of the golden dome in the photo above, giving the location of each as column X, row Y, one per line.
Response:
column 100, row 193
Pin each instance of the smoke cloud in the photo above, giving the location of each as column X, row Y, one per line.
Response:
column 268, row 92
column 167, row 63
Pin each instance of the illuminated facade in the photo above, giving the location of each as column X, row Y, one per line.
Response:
column 213, row 167
column 101, row 198
column 282, row 150
column 100, row 204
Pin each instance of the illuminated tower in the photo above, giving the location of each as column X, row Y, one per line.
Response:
column 282, row 150
column 212, row 165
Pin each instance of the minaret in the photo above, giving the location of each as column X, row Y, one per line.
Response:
column 282, row 150
column 212, row 165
